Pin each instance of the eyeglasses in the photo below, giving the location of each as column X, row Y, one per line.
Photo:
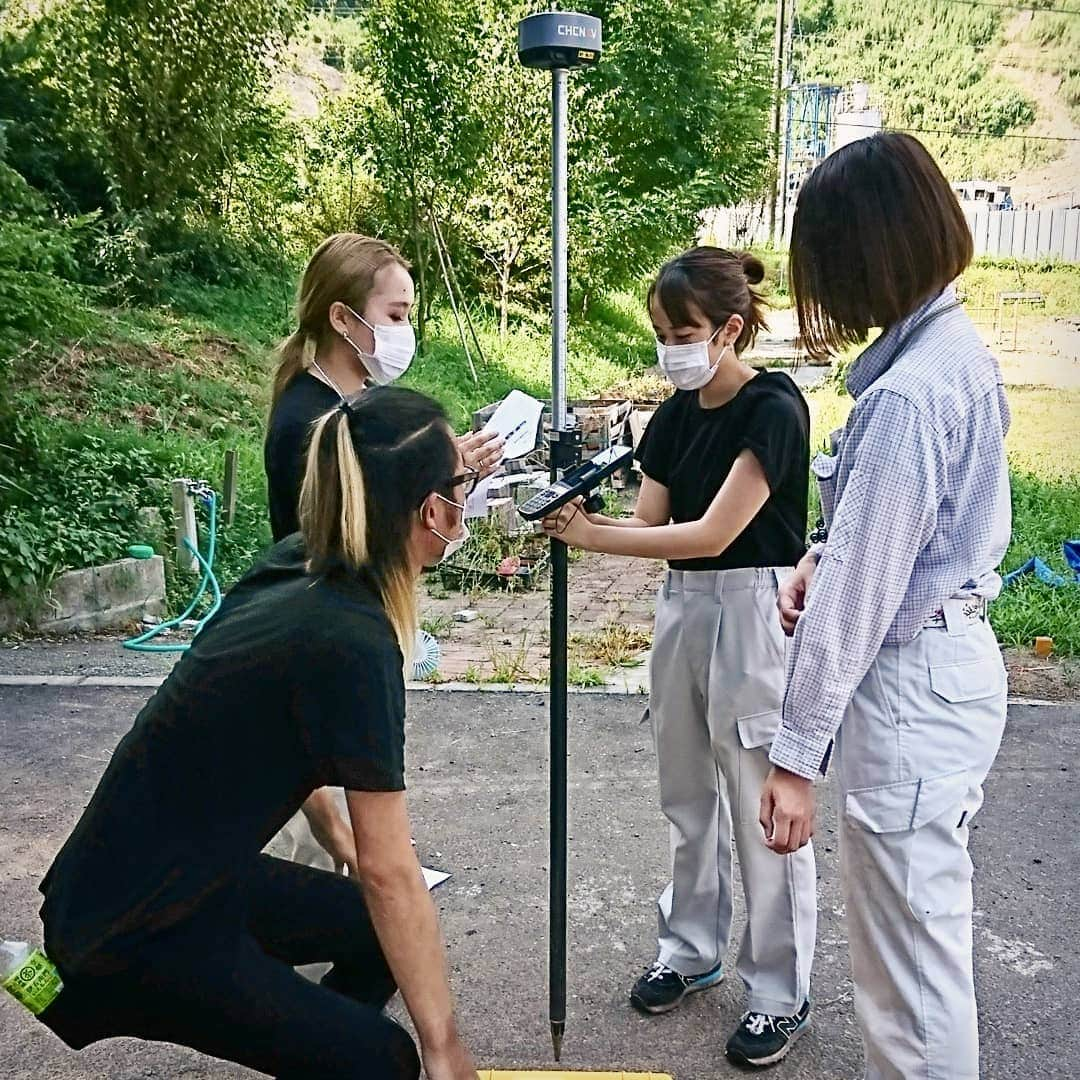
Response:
column 470, row 478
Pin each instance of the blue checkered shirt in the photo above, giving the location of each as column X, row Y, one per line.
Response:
column 916, row 499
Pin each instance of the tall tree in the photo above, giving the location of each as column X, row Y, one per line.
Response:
column 447, row 125
column 168, row 84
column 423, row 131
column 507, row 212
column 674, row 120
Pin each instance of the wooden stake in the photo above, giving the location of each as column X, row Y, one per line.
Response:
column 228, row 492
column 450, row 294
column 457, row 286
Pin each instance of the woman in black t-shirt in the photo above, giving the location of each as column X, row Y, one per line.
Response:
column 162, row 916
column 353, row 309
column 725, row 464
column 353, row 331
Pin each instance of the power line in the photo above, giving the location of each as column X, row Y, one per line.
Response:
column 1015, row 7
column 942, row 131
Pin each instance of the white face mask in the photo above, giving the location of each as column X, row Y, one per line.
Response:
column 394, row 349
column 452, row 546
column 687, row 366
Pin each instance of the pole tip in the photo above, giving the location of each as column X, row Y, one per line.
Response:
column 557, row 1029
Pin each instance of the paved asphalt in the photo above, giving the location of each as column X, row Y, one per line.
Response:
column 478, row 776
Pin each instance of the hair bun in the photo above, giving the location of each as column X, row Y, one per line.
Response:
column 752, row 267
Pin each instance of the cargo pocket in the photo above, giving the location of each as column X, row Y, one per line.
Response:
column 921, row 849
column 759, row 729
column 756, row 733
column 969, row 681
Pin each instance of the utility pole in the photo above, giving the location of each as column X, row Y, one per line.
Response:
column 774, row 118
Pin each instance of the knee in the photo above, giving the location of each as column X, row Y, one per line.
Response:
column 402, row 1053
column 373, row 987
column 390, row 1055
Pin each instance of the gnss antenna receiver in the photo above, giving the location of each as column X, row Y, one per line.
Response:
column 558, row 41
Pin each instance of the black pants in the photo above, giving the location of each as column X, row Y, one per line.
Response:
column 226, row 986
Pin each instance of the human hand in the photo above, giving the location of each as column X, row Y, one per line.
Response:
column 451, row 1062
column 570, row 524
column 787, row 811
column 482, row 451
column 791, row 597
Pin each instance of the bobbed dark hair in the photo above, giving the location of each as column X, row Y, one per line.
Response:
column 877, row 231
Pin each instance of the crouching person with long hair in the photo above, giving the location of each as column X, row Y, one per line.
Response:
column 162, row 916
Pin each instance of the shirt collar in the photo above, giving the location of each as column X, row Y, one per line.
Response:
column 876, row 359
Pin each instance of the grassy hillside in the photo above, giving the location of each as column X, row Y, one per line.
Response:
column 1057, row 40
column 100, row 414
column 932, row 66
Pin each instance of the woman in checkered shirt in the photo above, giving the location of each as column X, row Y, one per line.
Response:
column 892, row 654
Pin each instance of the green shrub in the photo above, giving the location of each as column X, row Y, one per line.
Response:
column 71, row 494
column 41, row 300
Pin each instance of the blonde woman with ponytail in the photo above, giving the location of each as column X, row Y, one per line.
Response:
column 161, row 914
column 353, row 331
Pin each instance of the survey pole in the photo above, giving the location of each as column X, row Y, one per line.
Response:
column 557, row 42
column 559, row 574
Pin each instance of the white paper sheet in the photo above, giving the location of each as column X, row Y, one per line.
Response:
column 476, row 503
column 516, row 420
column 433, row 878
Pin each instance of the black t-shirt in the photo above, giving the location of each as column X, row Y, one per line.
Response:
column 295, row 684
column 690, row 450
column 302, row 402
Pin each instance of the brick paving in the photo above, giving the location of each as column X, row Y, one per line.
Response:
column 508, row 641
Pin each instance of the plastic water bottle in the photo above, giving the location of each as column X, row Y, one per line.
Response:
column 28, row 975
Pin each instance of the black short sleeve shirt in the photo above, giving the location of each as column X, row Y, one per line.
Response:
column 295, row 684
column 690, row 450
column 302, row 402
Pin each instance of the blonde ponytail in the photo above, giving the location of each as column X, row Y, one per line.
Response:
column 333, row 517
column 293, row 358
column 370, row 465
column 352, row 519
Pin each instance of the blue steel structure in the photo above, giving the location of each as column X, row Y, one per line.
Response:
column 808, row 128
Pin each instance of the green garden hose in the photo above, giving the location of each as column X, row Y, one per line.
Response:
column 142, row 643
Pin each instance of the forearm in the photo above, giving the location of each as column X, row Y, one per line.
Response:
column 619, row 523
column 826, row 665
column 852, row 601
column 685, row 540
column 407, row 927
column 886, row 513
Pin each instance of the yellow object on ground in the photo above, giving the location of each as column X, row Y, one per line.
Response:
column 525, row 1074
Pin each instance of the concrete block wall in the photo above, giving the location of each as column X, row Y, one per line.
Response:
column 97, row 598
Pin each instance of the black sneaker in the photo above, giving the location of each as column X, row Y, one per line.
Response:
column 660, row 989
column 761, row 1039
